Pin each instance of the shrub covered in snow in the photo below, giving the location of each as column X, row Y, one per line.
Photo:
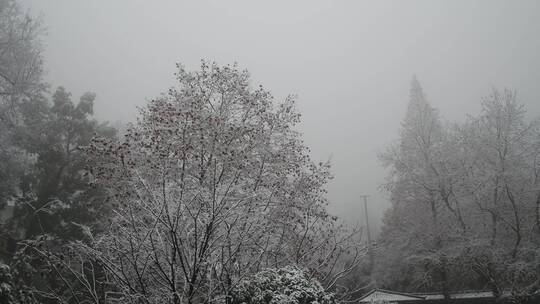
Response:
column 287, row 285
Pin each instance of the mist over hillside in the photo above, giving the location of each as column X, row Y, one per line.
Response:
column 177, row 151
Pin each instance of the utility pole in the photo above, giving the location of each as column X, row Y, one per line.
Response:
column 367, row 219
column 370, row 253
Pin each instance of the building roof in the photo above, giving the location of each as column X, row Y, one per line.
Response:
column 458, row 295
column 389, row 296
column 381, row 295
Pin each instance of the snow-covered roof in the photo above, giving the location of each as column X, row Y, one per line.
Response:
column 472, row 294
column 382, row 295
column 458, row 295
column 388, row 296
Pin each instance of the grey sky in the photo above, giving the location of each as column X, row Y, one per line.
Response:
column 350, row 62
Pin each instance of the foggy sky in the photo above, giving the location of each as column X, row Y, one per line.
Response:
column 350, row 63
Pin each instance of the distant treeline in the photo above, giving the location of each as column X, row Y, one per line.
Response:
column 465, row 199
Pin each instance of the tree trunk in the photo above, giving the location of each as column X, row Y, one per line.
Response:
column 517, row 227
column 493, row 227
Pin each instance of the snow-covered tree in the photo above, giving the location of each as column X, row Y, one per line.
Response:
column 20, row 77
column 421, row 195
column 500, row 156
column 464, row 200
column 21, row 64
column 287, row 285
column 211, row 184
